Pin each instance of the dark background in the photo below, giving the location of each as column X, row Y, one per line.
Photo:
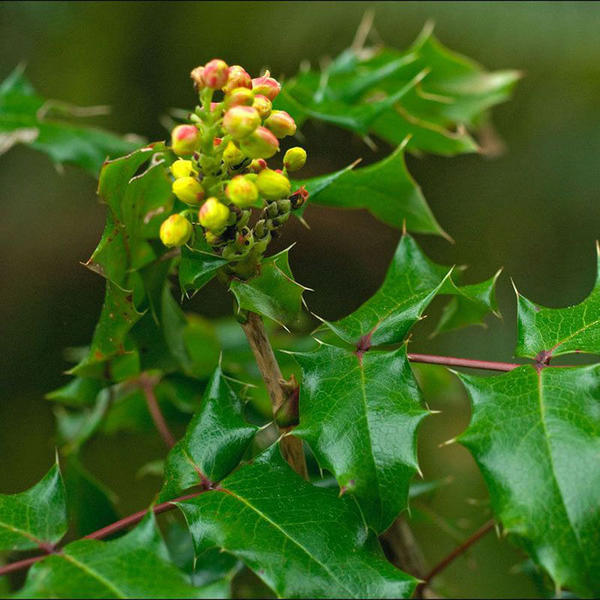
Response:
column 534, row 210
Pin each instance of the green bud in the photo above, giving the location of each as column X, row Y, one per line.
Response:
column 284, row 205
column 188, row 190
column 213, row 216
column 175, row 231
column 183, row 168
column 185, row 139
column 242, row 192
column 240, row 121
column 244, row 239
column 273, row 185
column 261, row 143
column 263, row 105
column 232, row 155
column 281, row 123
column 294, row 159
column 239, row 97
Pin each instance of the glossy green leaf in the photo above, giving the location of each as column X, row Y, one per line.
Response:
column 90, row 504
column 359, row 412
column 273, row 292
column 321, row 545
column 214, row 443
column 36, row 518
column 80, row 391
column 116, row 319
column 557, row 331
column 133, row 566
column 375, row 90
column 198, row 264
column 536, row 438
column 27, row 118
column 386, row 189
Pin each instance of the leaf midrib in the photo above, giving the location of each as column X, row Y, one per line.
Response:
column 287, row 536
column 95, row 575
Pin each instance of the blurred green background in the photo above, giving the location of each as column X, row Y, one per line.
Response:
column 534, row 210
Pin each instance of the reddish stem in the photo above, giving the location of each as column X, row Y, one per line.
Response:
column 105, row 531
column 147, row 384
column 451, row 361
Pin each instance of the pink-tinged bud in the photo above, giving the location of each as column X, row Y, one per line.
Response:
column 294, row 159
column 261, row 143
column 213, row 216
column 175, row 231
column 267, row 86
column 236, row 78
column 273, row 185
column 240, row 121
column 213, row 106
column 184, row 139
column 240, row 96
column 196, row 76
column 188, row 190
column 215, row 74
column 217, row 141
column 263, row 105
column 281, row 123
column 242, row 192
column 257, row 165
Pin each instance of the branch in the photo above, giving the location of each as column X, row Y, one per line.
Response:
column 268, row 366
column 147, row 384
column 105, row 531
column 451, row 361
column 454, row 554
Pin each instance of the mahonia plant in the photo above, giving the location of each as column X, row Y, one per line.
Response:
column 302, row 479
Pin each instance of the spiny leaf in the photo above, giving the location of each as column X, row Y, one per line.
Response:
column 133, row 566
column 214, row 443
column 273, row 292
column 411, row 283
column 30, row 119
column 80, row 391
column 375, row 91
column 385, row 189
column 198, row 264
column 557, row 331
column 359, row 412
column 36, row 518
column 536, row 438
column 323, row 547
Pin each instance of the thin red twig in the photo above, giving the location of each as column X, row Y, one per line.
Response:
column 451, row 361
column 147, row 385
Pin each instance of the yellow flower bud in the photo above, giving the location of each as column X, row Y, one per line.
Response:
column 213, row 216
column 239, row 97
column 240, row 121
column 262, row 105
column 183, row 168
column 261, row 143
column 175, row 231
column 188, row 190
column 232, row 155
column 242, row 192
column 273, row 185
column 281, row 123
column 184, row 139
column 294, row 159
column 211, row 238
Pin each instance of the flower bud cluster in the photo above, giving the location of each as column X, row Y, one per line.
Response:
column 222, row 173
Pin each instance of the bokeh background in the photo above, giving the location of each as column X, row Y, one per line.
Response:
column 534, row 210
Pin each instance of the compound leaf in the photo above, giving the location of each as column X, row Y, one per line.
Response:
column 359, row 412
column 556, row 331
column 36, row 518
column 133, row 566
column 323, row 548
column 27, row 118
column 536, row 438
column 214, row 443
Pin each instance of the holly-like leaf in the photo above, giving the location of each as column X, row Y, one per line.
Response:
column 27, row 118
column 556, row 331
column 273, row 292
column 133, row 566
column 80, row 391
column 535, row 435
column 214, row 443
column 386, row 189
column 198, row 264
column 116, row 319
column 36, row 518
column 379, row 91
column 323, row 548
column 359, row 412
